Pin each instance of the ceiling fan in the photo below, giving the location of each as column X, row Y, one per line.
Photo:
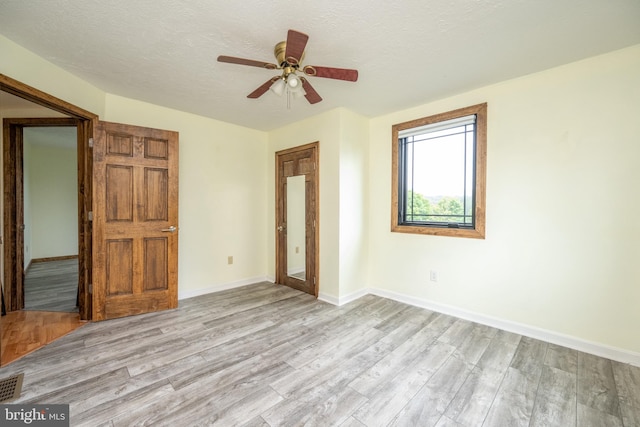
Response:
column 289, row 55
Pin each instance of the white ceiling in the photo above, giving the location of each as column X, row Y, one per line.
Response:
column 407, row 52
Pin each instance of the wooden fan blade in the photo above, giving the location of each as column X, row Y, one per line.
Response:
column 250, row 62
column 331, row 73
column 311, row 94
column 262, row 89
column 296, row 42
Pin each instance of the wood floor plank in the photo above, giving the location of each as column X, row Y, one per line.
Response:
column 316, row 371
column 385, row 370
column 555, row 403
column 596, row 384
column 627, row 379
column 529, row 358
column 228, row 400
column 591, row 417
column 445, row 421
column 514, row 401
column 267, row 355
column 562, row 358
column 133, row 385
column 630, row 415
column 22, row 332
column 472, row 345
column 426, row 407
column 385, row 405
column 351, row 422
column 331, row 408
column 473, row 400
column 513, row 404
column 110, row 411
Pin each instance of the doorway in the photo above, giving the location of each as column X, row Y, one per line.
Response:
column 17, row 250
column 50, row 218
column 13, row 258
column 297, row 207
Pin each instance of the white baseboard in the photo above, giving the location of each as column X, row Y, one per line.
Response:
column 345, row 299
column 602, row 350
column 328, row 298
column 190, row 293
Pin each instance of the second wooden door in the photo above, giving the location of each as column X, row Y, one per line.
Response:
column 296, row 218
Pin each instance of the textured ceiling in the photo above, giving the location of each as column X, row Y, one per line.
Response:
column 407, row 52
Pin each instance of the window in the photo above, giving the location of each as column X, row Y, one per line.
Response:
column 439, row 174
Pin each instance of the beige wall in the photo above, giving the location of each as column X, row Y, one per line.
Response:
column 354, row 201
column 53, row 201
column 562, row 241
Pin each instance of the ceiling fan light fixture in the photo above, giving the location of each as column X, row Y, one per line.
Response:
column 293, row 81
column 298, row 93
column 278, row 87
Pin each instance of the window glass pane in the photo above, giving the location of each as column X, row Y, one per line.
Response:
column 439, row 176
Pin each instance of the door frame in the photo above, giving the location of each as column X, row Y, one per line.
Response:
column 85, row 121
column 281, row 252
column 13, row 178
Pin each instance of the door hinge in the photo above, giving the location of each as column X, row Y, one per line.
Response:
column 314, row 280
column 90, row 215
column 90, row 142
column 90, row 288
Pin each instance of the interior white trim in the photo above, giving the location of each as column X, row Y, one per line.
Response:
column 347, row 298
column 329, row 298
column 602, row 350
column 190, row 293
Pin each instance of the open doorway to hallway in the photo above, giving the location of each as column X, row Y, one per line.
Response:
column 50, row 212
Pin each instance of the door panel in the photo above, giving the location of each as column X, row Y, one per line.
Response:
column 135, row 220
column 297, row 252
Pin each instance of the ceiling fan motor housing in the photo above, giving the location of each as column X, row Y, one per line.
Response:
column 280, row 51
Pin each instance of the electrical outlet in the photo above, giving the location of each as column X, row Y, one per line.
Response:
column 433, row 276
column 230, row 259
column 297, row 249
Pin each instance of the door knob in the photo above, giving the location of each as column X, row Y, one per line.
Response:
column 171, row 229
column 280, row 228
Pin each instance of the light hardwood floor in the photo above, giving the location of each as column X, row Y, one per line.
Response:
column 266, row 355
column 22, row 332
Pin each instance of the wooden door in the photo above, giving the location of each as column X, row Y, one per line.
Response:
column 135, row 220
column 293, row 165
